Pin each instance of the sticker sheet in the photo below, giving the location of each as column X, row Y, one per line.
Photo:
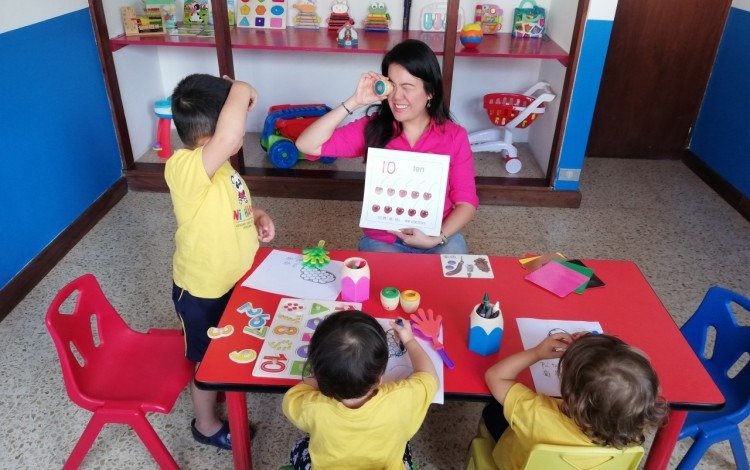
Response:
column 467, row 266
column 287, row 339
column 404, row 190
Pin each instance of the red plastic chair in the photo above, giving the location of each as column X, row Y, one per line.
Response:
column 114, row 371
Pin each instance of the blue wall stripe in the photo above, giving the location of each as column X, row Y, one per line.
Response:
column 585, row 90
column 60, row 152
column 721, row 137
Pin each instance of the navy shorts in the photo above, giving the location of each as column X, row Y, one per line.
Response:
column 197, row 316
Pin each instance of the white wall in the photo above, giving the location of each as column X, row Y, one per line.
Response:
column 17, row 14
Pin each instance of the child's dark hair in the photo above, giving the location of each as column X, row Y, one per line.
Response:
column 420, row 61
column 196, row 104
column 347, row 354
column 610, row 390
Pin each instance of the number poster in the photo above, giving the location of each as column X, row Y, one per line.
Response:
column 404, row 190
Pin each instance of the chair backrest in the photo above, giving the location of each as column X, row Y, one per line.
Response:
column 722, row 356
column 82, row 335
column 548, row 456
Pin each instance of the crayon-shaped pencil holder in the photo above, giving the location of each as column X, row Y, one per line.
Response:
column 355, row 280
column 485, row 334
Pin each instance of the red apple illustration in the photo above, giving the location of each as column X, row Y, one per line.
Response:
column 414, row 194
column 387, row 209
column 402, row 192
column 378, row 190
column 399, row 210
column 375, row 207
column 412, row 212
column 391, row 191
column 427, row 196
column 424, row 214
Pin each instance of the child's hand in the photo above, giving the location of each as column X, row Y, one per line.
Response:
column 403, row 330
column 264, row 225
column 553, row 346
column 253, row 92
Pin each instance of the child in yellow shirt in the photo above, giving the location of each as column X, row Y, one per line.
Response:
column 610, row 396
column 353, row 419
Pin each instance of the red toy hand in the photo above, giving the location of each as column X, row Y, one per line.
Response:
column 428, row 325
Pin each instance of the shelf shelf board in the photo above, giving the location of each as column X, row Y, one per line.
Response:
column 321, row 40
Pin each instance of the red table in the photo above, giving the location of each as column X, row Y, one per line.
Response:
column 626, row 307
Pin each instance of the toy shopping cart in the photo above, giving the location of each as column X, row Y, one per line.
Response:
column 509, row 111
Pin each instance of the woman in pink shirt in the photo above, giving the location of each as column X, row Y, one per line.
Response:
column 412, row 117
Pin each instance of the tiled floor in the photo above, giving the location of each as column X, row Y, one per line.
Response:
column 657, row 213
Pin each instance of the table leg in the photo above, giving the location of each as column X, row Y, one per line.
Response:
column 664, row 442
column 238, row 422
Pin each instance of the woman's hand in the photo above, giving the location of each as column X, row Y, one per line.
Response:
column 416, row 238
column 365, row 92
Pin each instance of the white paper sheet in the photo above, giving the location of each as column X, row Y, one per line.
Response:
column 283, row 273
column 533, row 331
column 404, row 190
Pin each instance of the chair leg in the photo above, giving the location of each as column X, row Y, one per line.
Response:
column 85, row 442
column 738, row 449
column 695, row 452
column 137, row 420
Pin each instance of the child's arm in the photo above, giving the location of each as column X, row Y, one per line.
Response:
column 230, row 127
column 502, row 375
column 420, row 361
column 264, row 225
column 311, row 141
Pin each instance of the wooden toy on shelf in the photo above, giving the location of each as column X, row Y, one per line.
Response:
column 347, row 36
column 149, row 24
column 378, row 18
column 307, row 18
column 339, row 16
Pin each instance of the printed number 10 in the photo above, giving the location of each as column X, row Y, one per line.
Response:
column 389, row 167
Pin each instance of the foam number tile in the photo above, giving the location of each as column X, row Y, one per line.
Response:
column 248, row 310
column 259, row 320
column 283, row 345
column 244, row 356
column 290, row 319
column 274, row 364
column 285, row 330
column 257, row 332
column 215, row 332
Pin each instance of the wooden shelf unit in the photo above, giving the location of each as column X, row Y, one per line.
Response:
column 349, row 185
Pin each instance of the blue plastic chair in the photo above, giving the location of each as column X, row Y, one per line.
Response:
column 731, row 342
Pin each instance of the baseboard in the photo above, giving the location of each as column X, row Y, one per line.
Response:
column 723, row 188
column 19, row 287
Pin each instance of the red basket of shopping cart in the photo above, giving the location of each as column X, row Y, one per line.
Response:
column 503, row 107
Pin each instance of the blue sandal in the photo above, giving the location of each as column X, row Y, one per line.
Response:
column 221, row 439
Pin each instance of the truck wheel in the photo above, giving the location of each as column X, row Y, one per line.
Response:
column 283, row 154
column 327, row 159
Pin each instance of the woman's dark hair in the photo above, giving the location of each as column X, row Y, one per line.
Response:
column 610, row 390
column 420, row 61
column 196, row 104
column 347, row 355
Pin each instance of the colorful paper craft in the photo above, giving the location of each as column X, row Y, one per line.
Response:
column 595, row 280
column 534, row 262
column 588, row 272
column 558, row 279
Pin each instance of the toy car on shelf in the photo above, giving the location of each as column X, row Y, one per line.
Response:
column 284, row 123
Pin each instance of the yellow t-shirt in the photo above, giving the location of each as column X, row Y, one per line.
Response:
column 216, row 238
column 533, row 419
column 372, row 436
